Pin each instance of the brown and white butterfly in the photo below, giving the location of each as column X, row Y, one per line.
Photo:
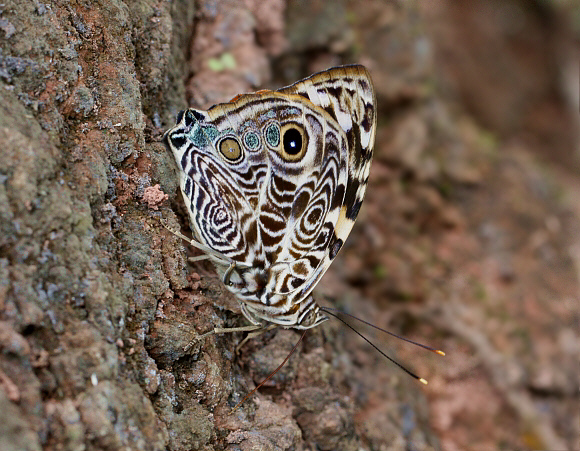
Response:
column 273, row 182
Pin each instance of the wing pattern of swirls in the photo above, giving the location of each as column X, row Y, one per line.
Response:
column 273, row 182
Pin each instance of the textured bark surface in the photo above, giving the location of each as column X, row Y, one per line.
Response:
column 466, row 240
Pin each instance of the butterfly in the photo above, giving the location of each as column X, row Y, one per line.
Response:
column 273, row 182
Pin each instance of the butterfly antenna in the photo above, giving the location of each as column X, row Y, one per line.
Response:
column 413, row 375
column 271, row 374
column 428, row 348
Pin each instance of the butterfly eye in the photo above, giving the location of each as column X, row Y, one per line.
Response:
column 294, row 142
column 230, row 149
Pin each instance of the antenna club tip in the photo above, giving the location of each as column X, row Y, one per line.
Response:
column 440, row 352
column 423, row 381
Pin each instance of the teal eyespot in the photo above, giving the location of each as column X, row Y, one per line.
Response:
column 252, row 140
column 272, row 134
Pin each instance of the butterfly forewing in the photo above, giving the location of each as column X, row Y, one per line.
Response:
column 275, row 180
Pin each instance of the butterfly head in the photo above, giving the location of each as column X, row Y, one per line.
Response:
column 311, row 316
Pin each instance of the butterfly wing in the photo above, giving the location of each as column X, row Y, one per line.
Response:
column 220, row 189
column 346, row 95
column 274, row 180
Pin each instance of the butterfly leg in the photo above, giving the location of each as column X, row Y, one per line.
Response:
column 254, row 334
column 202, row 247
column 198, row 258
column 222, row 330
column 191, row 241
column 254, row 329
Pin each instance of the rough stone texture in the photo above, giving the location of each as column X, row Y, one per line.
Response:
column 530, row 86
column 466, row 241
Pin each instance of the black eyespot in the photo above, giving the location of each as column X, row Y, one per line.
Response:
column 292, row 141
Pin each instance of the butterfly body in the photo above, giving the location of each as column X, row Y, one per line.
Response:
column 273, row 182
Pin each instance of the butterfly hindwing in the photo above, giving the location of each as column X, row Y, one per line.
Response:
column 347, row 95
